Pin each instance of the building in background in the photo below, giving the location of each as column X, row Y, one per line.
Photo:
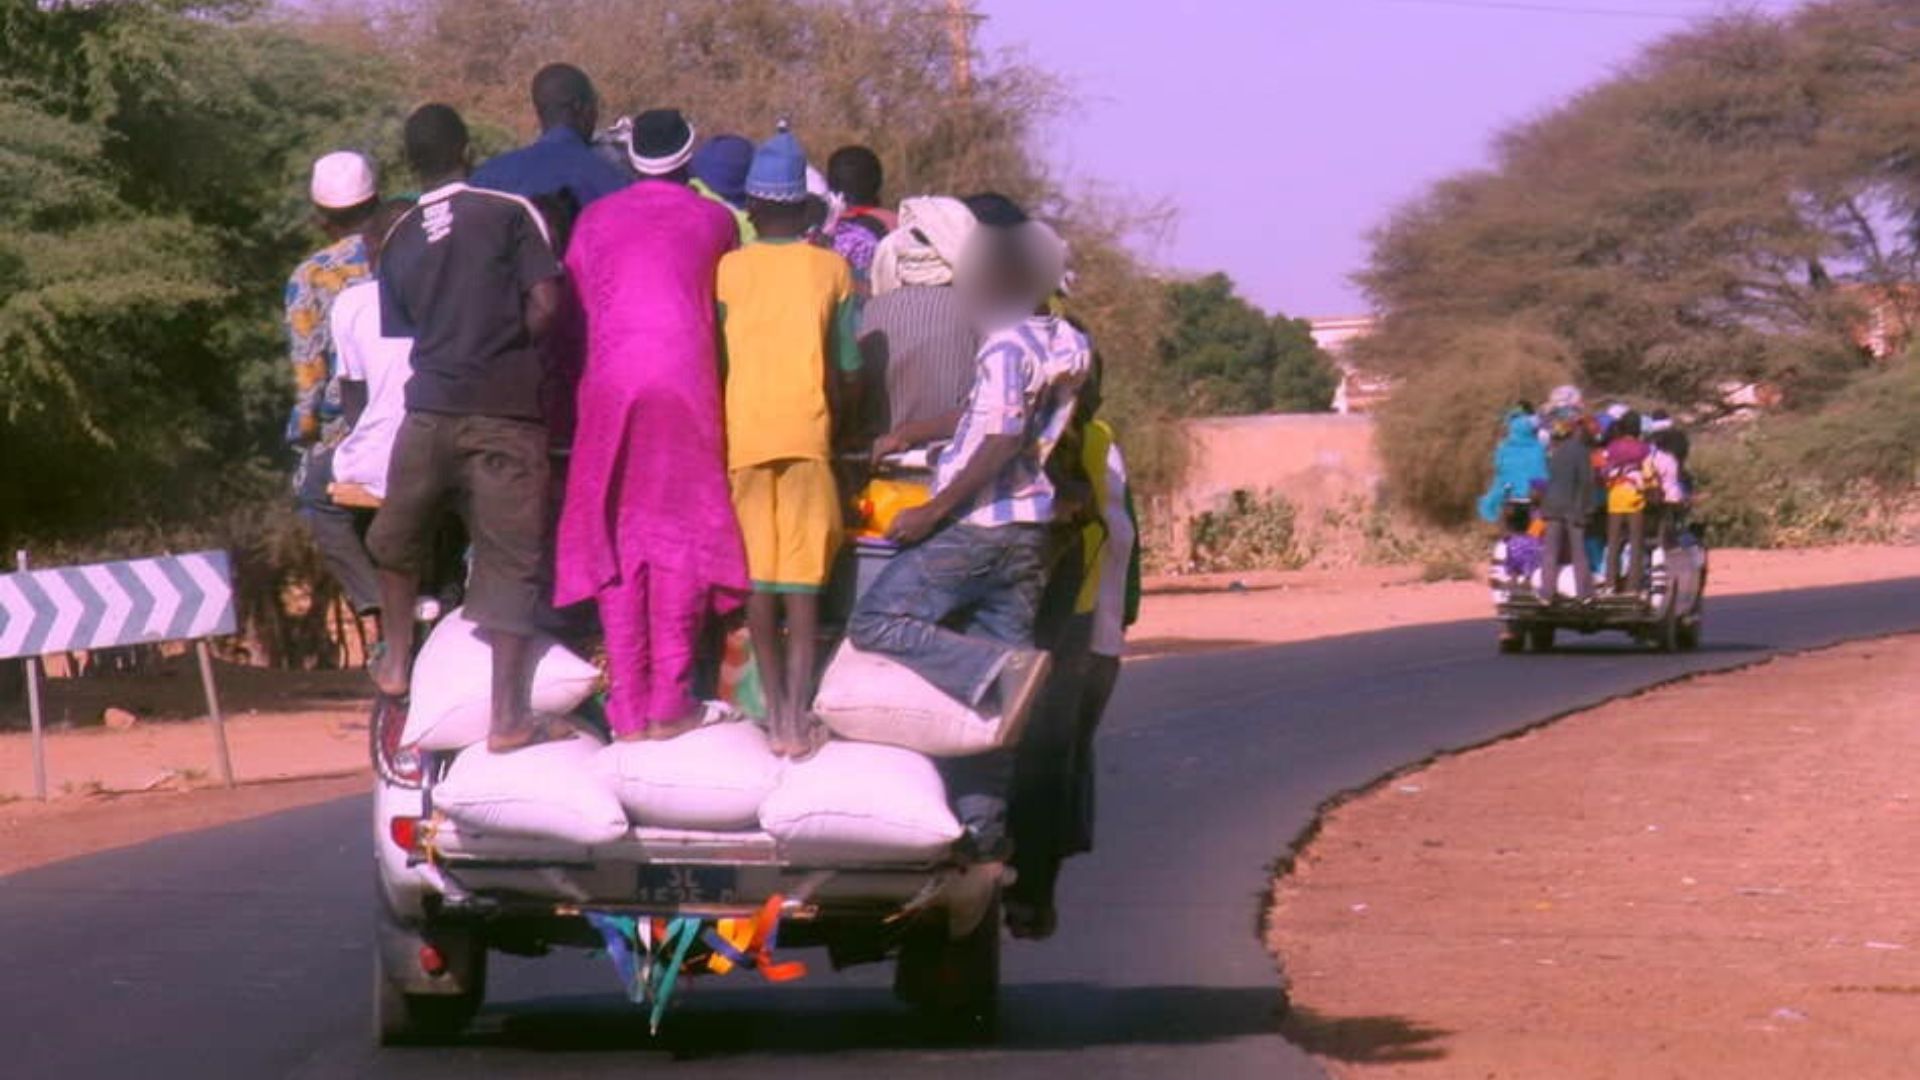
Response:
column 1361, row 391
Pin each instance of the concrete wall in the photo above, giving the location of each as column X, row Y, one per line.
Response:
column 1317, row 460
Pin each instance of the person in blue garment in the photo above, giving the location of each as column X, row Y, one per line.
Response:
column 1519, row 464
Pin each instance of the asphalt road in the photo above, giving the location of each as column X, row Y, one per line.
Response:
column 243, row 951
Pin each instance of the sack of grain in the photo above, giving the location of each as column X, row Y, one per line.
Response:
column 870, row 698
column 713, row 778
column 859, row 803
column 553, row 791
column 452, row 692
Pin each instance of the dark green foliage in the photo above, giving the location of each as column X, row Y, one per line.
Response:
column 1223, row 357
column 1304, row 376
column 150, row 156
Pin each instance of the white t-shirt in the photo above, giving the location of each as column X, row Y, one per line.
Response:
column 1116, row 555
column 380, row 362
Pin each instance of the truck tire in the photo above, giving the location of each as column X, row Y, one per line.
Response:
column 1540, row 638
column 1689, row 637
column 403, row 1019
column 954, row 983
column 1512, row 639
column 1666, row 634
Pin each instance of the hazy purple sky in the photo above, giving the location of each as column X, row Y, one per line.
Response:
column 1285, row 129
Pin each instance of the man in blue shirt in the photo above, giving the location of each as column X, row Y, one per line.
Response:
column 558, row 171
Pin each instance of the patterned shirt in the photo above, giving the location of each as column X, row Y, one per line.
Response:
column 309, row 299
column 1025, row 382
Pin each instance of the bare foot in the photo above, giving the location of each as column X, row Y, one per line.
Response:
column 662, row 730
column 390, row 677
column 535, row 732
column 813, row 735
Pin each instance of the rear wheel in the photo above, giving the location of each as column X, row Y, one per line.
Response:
column 1512, row 638
column 1689, row 636
column 954, row 983
column 1667, row 634
column 401, row 1019
column 1540, row 638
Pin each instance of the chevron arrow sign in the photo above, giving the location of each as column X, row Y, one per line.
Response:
column 173, row 598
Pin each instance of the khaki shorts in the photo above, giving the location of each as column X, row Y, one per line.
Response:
column 791, row 520
column 495, row 472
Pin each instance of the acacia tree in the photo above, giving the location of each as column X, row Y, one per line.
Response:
column 1724, row 211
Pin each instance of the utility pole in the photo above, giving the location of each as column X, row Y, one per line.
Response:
column 961, row 20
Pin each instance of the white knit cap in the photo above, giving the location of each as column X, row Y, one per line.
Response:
column 343, row 179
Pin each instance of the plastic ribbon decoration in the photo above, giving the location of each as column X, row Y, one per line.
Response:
column 650, row 955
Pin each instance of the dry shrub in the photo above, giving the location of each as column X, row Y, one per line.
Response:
column 1437, row 432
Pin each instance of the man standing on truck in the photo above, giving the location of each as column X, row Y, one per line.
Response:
column 471, row 277
column 345, row 193
column 1573, row 491
column 647, row 528
column 560, row 164
column 981, row 545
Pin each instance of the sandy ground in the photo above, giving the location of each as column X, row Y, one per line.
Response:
column 1710, row 880
column 1182, row 614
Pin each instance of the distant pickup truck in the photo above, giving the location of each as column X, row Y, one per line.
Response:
column 1667, row 614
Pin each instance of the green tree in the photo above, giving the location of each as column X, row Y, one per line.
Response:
column 1218, row 351
column 149, row 209
column 1304, row 376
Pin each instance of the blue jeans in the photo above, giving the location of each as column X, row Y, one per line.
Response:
column 988, row 581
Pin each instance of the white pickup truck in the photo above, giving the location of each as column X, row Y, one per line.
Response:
column 447, row 898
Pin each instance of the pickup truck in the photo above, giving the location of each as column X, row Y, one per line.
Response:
column 449, row 897
column 1668, row 613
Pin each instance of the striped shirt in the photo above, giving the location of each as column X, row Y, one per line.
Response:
column 1025, row 382
column 919, row 339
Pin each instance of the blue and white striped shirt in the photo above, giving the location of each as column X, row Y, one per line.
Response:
column 1026, row 379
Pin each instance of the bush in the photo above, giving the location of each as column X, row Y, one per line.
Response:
column 1836, row 475
column 1252, row 532
column 1436, row 434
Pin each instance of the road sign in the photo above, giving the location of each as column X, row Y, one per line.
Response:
column 111, row 605
column 107, row 605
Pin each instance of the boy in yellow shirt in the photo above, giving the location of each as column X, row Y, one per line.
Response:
column 788, row 313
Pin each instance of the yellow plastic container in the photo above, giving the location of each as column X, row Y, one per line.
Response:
column 883, row 500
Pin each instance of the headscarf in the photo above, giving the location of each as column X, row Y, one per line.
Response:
column 1519, row 462
column 926, row 248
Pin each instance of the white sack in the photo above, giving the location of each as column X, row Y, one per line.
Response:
column 870, row 698
column 713, row 778
column 859, row 803
column 552, row 791
column 451, row 706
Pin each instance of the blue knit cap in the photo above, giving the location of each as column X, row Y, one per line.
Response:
column 779, row 172
column 722, row 165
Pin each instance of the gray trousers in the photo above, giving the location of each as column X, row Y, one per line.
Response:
column 1573, row 536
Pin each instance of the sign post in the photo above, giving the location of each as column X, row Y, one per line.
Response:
column 33, row 711
column 111, row 605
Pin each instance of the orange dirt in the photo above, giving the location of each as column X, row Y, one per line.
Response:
column 1710, row 880
column 34, row 833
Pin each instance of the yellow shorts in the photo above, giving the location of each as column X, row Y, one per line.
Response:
column 791, row 520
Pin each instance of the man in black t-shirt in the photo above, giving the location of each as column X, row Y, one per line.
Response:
column 471, row 277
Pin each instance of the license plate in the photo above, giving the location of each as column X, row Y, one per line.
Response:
column 687, row 885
